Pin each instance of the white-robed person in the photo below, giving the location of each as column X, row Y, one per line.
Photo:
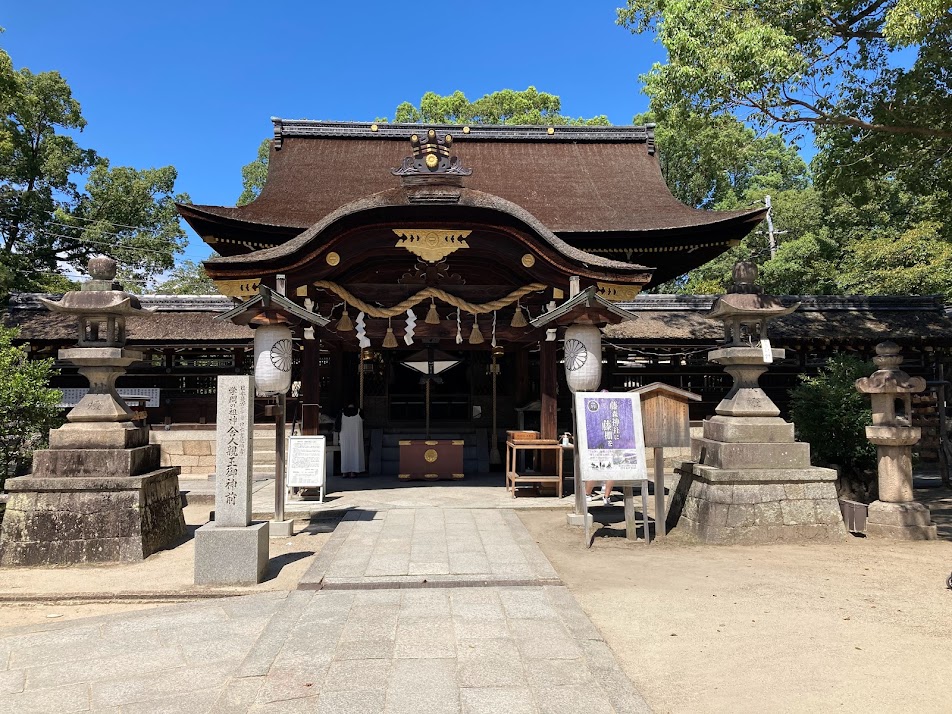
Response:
column 350, row 426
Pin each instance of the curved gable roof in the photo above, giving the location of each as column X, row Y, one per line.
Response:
column 575, row 180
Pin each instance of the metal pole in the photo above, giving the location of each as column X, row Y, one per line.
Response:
column 660, row 514
column 580, row 503
column 427, row 408
column 279, row 456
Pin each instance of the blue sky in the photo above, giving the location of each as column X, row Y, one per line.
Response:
column 194, row 84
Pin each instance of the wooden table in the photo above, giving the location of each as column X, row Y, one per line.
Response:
column 513, row 477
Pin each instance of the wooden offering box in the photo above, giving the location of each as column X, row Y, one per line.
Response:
column 522, row 435
column 431, row 459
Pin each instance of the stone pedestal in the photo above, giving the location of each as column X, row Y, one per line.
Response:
column 91, row 519
column 231, row 556
column 752, row 483
column 900, row 521
column 98, row 504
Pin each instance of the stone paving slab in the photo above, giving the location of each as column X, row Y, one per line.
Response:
column 386, row 648
column 429, row 547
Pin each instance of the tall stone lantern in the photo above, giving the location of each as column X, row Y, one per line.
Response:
column 896, row 514
column 750, row 480
column 98, row 493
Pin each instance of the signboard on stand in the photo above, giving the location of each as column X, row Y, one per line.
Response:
column 611, row 447
column 306, row 462
column 611, row 441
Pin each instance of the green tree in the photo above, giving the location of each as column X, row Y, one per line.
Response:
column 837, row 68
column 187, row 278
column 129, row 214
column 254, row 175
column 506, row 106
column 832, row 416
column 46, row 219
column 36, row 168
column 717, row 161
column 28, row 407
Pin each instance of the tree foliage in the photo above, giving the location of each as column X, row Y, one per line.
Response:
column 826, row 63
column 506, row 106
column 832, row 417
column 28, row 407
column 871, row 80
column 46, row 219
column 254, row 174
column 187, row 278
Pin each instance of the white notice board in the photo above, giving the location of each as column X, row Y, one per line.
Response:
column 611, row 439
column 305, row 467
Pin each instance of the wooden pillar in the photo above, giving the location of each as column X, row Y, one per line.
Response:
column 521, row 377
column 548, row 379
column 311, row 388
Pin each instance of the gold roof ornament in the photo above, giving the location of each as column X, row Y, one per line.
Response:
column 431, row 244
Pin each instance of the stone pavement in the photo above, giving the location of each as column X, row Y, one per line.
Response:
column 419, row 611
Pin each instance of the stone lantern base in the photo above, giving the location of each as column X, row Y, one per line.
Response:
column 752, row 483
column 900, row 521
column 92, row 505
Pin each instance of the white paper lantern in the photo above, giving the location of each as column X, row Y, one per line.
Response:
column 583, row 358
column 273, row 356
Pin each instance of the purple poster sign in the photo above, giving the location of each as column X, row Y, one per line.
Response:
column 612, row 443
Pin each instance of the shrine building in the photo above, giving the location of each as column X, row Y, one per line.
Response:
column 476, row 230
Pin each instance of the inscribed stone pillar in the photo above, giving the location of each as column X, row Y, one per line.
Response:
column 234, row 462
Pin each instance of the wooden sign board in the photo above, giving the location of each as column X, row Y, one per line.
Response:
column 611, row 439
column 306, row 465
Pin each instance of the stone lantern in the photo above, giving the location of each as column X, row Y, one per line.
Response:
column 750, row 480
column 98, row 493
column 896, row 514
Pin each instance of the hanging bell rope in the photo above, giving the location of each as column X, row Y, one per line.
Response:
column 390, row 340
column 345, row 324
column 432, row 316
column 476, row 337
column 518, row 319
column 414, row 300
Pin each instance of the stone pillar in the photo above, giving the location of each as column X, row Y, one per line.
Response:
column 896, row 515
column 233, row 550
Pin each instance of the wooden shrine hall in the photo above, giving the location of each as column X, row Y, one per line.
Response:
column 453, row 239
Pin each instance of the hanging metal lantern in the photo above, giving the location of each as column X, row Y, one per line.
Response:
column 583, row 357
column 273, row 357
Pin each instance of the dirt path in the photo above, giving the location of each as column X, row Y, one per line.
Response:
column 856, row 626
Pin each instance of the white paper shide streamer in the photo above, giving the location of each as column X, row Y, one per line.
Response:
column 361, row 326
column 411, row 326
column 274, row 353
column 583, row 358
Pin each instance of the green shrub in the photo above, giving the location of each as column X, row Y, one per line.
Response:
column 28, row 407
column 832, row 416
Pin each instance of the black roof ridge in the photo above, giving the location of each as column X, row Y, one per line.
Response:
column 159, row 303
column 857, row 303
column 284, row 128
